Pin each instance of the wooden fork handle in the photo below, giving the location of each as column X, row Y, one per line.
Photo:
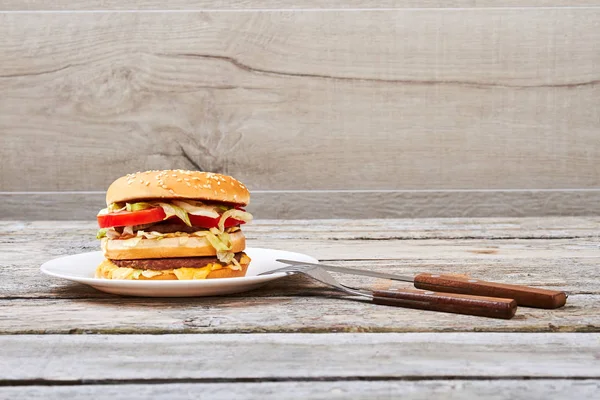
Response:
column 447, row 302
column 524, row 295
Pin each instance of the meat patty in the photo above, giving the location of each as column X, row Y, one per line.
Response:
column 163, row 227
column 170, row 263
column 167, row 227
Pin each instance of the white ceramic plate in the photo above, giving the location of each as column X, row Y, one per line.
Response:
column 81, row 267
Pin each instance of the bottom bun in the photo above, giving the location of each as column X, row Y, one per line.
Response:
column 108, row 270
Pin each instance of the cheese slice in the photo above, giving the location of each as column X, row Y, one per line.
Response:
column 109, row 270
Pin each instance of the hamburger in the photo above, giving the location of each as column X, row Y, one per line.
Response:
column 173, row 225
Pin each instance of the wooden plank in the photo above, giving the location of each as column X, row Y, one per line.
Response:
column 556, row 389
column 434, row 249
column 405, row 99
column 205, row 358
column 311, row 312
column 502, row 250
column 366, row 229
column 338, row 204
column 36, row 5
column 20, row 278
column 23, row 280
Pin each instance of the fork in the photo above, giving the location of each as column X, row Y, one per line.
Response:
column 492, row 307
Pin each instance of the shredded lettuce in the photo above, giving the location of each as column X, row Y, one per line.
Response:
column 122, row 273
column 217, row 243
column 101, row 233
column 137, row 206
column 197, row 208
column 150, row 235
column 112, row 208
column 235, row 214
column 171, row 210
column 150, row 273
column 112, row 234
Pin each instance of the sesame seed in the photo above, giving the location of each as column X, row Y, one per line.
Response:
column 186, row 179
column 178, row 179
column 189, row 184
column 218, row 183
column 141, row 181
column 171, row 191
column 147, row 183
column 164, row 186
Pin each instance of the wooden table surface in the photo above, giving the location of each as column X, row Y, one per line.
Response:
column 295, row 339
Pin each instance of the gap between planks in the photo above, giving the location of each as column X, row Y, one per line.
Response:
column 159, row 381
column 560, row 389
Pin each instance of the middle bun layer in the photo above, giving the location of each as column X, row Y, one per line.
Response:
column 191, row 246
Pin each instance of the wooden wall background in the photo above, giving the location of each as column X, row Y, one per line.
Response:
column 366, row 109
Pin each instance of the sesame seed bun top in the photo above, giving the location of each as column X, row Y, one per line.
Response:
column 177, row 184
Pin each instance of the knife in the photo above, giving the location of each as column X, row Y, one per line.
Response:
column 524, row 295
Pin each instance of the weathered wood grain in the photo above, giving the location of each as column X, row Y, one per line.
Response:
column 405, row 99
column 363, row 240
column 310, row 312
column 338, row 204
column 559, row 253
column 495, row 249
column 205, row 358
column 37, row 5
column 556, row 252
column 22, row 280
column 530, row 389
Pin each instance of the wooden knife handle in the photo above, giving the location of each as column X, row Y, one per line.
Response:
column 447, row 302
column 524, row 295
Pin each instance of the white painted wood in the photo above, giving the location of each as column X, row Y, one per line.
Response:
column 415, row 228
column 34, row 5
column 407, row 99
column 298, row 356
column 338, row 204
column 556, row 389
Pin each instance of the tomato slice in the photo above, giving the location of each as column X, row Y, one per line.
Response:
column 208, row 222
column 125, row 218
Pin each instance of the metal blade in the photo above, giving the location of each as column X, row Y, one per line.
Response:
column 352, row 271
